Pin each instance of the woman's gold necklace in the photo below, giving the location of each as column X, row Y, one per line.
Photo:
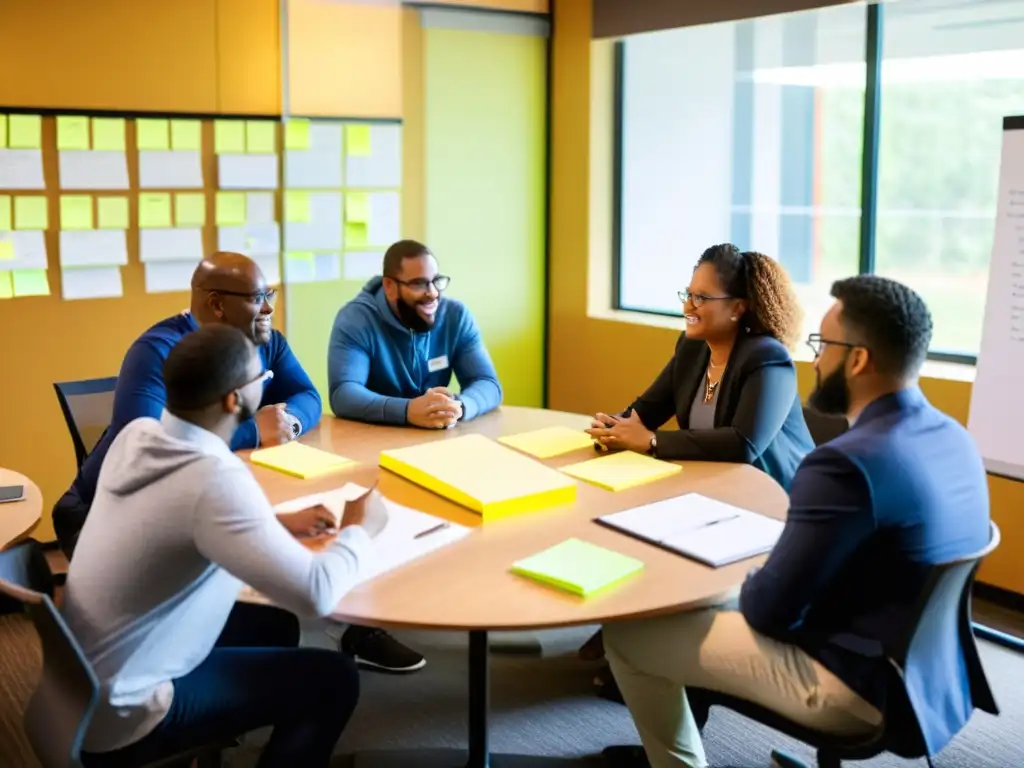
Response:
column 711, row 386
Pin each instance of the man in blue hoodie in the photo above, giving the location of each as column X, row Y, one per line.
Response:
column 394, row 349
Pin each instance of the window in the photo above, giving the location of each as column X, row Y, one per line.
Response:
column 752, row 132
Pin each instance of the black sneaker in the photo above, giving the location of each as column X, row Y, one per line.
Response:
column 377, row 650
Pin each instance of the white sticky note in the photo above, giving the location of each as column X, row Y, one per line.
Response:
column 247, row 171
column 231, row 239
column 29, row 249
column 385, row 225
column 21, row 169
column 259, row 208
column 171, row 245
column 362, row 265
column 168, row 276
column 254, row 240
column 325, row 136
column 323, row 231
column 383, row 166
column 326, row 266
column 91, row 283
column 271, row 268
column 90, row 169
column 170, row 169
column 312, row 169
column 299, row 270
column 93, row 248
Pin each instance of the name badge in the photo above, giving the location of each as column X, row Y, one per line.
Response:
column 437, row 364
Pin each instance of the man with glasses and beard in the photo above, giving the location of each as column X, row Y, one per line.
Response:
column 870, row 511
column 392, row 353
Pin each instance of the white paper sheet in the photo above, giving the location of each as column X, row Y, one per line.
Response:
column 92, row 169
column 170, row 169
column 325, row 136
column 299, row 270
column 93, row 248
column 21, row 169
column 385, row 218
column 254, row 240
column 171, row 245
column 247, row 171
column 362, row 265
column 323, row 232
column 91, row 283
column 259, row 208
column 271, row 268
column 383, row 166
column 167, row 276
column 29, row 250
column 326, row 266
column 311, row 169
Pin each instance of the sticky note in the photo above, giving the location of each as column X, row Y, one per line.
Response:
column 30, row 212
column 548, row 442
column 357, row 139
column 154, row 210
column 230, row 209
column 112, row 212
column 3, row 131
column 578, row 567
column 356, row 235
column 72, row 132
column 296, row 206
column 621, row 470
column 6, row 288
column 189, row 209
column 108, row 134
column 296, row 134
column 357, row 207
column 30, row 282
column 24, row 131
column 6, row 250
column 152, row 134
column 75, row 212
column 300, row 460
column 5, row 213
column 260, row 137
column 186, row 134
column 229, row 136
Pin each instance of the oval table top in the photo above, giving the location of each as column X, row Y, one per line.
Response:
column 468, row 585
column 19, row 517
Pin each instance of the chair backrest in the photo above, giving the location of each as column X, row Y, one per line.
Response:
column 823, row 427
column 62, row 705
column 24, row 565
column 88, row 407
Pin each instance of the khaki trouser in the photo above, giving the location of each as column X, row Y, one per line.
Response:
column 715, row 649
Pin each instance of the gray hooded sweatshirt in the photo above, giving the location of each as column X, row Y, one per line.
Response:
column 178, row 525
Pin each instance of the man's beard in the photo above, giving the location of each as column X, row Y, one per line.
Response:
column 831, row 396
column 412, row 319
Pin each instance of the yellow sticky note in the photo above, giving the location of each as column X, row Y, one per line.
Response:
column 229, row 137
column 72, row 132
column 300, row 460
column 152, row 134
column 5, row 213
column 578, row 567
column 30, row 212
column 75, row 212
column 548, row 442
column 296, row 206
column 113, row 212
column 30, row 282
column 6, row 250
column 154, row 210
column 6, row 289
column 189, row 209
column 3, row 131
column 356, row 235
column 230, row 209
column 296, row 134
column 260, row 137
column 357, row 207
column 357, row 139
column 108, row 134
column 186, row 134
column 621, row 470
column 24, row 131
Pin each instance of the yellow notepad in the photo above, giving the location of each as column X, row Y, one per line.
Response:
column 482, row 475
column 621, row 470
column 578, row 567
column 548, row 442
column 300, row 460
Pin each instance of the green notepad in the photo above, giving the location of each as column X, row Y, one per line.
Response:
column 578, row 567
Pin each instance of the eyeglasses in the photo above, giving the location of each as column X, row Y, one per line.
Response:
column 258, row 298
column 698, row 299
column 263, row 378
column 817, row 343
column 421, row 284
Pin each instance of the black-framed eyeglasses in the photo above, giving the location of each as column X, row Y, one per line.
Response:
column 421, row 284
column 698, row 299
column 258, row 298
column 817, row 343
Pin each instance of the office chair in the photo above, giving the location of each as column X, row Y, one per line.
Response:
column 87, row 406
column 943, row 616
column 65, row 698
column 24, row 565
column 823, row 427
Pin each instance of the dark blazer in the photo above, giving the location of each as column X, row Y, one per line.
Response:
column 903, row 489
column 758, row 416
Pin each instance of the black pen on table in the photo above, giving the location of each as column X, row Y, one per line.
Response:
column 438, row 527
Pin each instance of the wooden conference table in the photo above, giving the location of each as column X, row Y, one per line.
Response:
column 17, row 518
column 467, row 586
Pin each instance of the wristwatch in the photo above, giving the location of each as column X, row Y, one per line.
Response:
column 652, row 449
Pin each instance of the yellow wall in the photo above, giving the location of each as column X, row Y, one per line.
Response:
column 601, row 364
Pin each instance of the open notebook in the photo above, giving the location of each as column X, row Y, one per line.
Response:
column 707, row 530
column 396, row 545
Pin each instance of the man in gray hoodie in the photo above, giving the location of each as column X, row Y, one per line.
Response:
column 178, row 525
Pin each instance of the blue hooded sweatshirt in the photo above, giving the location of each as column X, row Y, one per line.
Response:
column 375, row 365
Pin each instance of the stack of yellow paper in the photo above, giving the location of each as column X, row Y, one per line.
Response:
column 621, row 470
column 300, row 460
column 548, row 442
column 482, row 475
column 578, row 567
